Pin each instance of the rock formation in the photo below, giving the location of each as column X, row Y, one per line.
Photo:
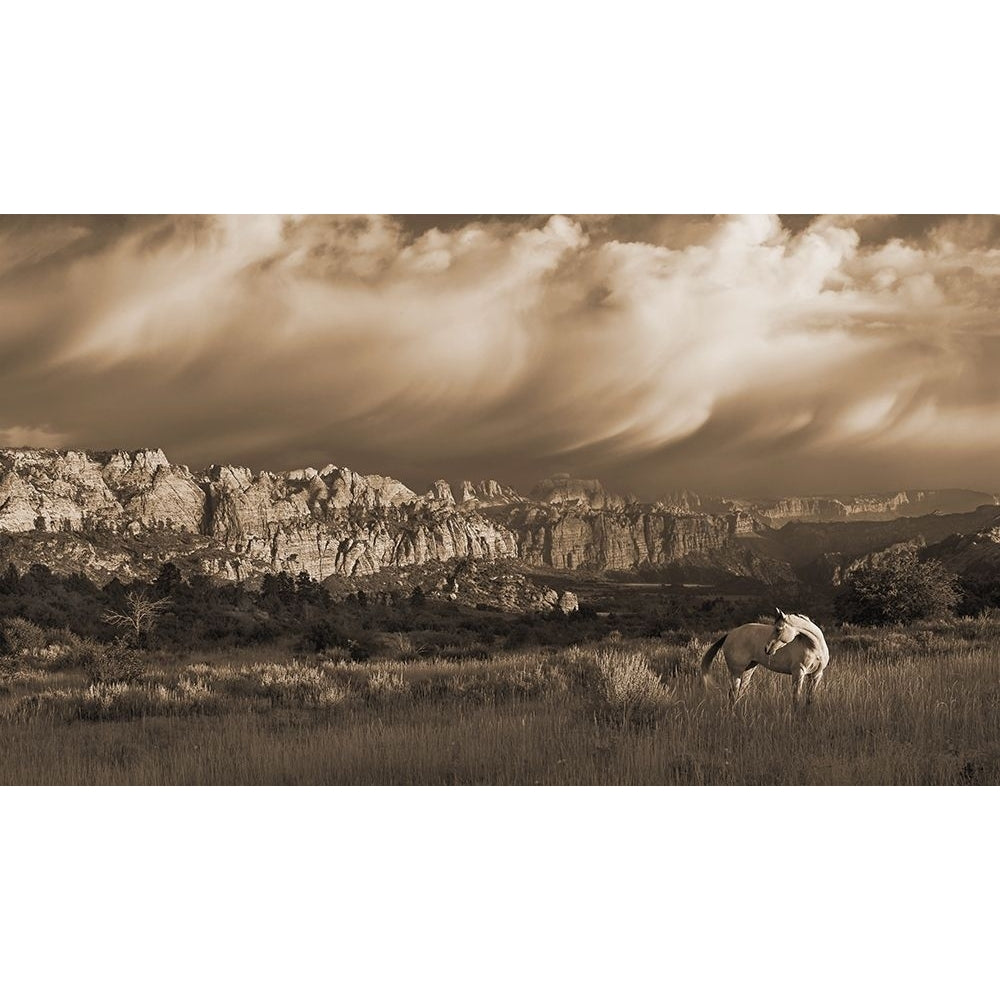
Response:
column 330, row 521
column 580, row 538
column 587, row 493
column 488, row 492
column 568, row 603
column 870, row 507
column 441, row 491
column 126, row 512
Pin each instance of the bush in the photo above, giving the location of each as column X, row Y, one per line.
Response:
column 121, row 700
column 396, row 646
column 897, row 588
column 285, row 685
column 674, row 660
column 622, row 688
column 79, row 654
column 325, row 635
column 114, row 664
column 291, row 684
column 117, row 700
column 21, row 637
column 531, row 679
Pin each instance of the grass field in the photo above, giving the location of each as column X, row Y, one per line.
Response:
column 914, row 707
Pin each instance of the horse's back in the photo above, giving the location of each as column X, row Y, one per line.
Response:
column 746, row 642
column 753, row 631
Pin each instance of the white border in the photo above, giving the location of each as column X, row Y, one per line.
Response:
column 498, row 892
column 439, row 107
column 535, row 107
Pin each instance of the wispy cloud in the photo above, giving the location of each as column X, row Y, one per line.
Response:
column 737, row 354
column 30, row 437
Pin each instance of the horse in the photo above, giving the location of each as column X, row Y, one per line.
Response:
column 793, row 644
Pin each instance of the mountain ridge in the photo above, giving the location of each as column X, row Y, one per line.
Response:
column 112, row 511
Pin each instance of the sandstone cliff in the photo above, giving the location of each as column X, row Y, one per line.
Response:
column 323, row 522
column 124, row 512
column 66, row 491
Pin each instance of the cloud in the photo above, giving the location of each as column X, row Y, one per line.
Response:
column 728, row 354
column 30, row 437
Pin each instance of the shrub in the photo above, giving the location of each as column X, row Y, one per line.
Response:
column 140, row 617
column 79, row 654
column 621, row 687
column 291, row 683
column 396, row 646
column 323, row 635
column 326, row 635
column 119, row 700
column 22, row 637
column 504, row 679
column 671, row 661
column 122, row 700
column 897, row 588
column 114, row 664
column 527, row 680
column 337, row 654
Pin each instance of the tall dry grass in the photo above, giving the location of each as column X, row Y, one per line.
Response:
column 920, row 706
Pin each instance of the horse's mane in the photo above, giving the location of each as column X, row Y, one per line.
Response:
column 807, row 625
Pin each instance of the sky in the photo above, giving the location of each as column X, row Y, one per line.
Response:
column 742, row 356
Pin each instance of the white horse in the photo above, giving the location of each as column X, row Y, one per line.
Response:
column 792, row 645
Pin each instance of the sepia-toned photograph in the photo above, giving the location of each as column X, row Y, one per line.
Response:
column 501, row 500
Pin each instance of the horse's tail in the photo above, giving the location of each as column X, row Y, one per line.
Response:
column 706, row 660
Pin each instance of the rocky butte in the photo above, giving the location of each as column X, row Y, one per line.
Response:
column 122, row 511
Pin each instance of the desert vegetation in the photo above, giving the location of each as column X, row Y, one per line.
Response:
column 898, row 587
column 186, row 681
column 915, row 705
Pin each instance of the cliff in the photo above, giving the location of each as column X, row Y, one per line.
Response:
column 115, row 512
column 323, row 522
column 123, row 513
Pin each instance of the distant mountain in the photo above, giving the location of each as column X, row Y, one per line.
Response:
column 124, row 513
column 233, row 523
column 848, row 507
column 586, row 493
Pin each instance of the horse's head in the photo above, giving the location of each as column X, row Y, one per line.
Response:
column 783, row 633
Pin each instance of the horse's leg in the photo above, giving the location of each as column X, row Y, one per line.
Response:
column 735, row 686
column 738, row 683
column 798, row 676
column 814, row 680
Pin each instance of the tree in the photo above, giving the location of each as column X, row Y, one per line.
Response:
column 141, row 614
column 278, row 590
column 9, row 580
column 168, row 579
column 897, row 587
